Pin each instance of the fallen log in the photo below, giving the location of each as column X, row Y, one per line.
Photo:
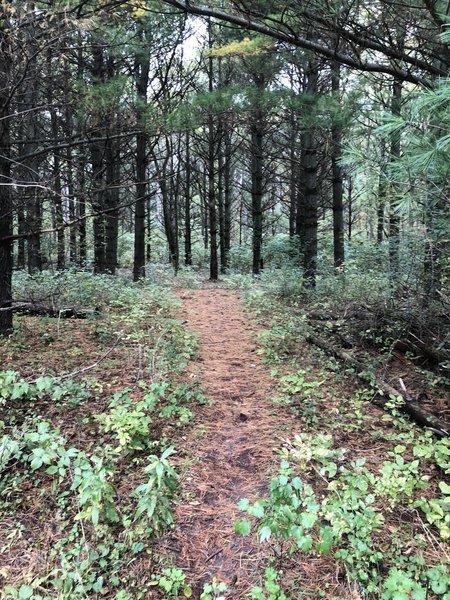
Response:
column 410, row 407
column 45, row 310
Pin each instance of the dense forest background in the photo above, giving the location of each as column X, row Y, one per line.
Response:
column 224, row 258
column 261, row 135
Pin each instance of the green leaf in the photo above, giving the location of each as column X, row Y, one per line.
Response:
column 243, row 527
column 439, row 587
column 95, row 515
column 25, row 592
column 326, row 543
column 330, row 468
column 264, row 534
column 445, row 488
column 305, row 544
column 297, row 483
column 44, row 384
column 243, row 504
column 308, row 519
column 257, row 510
column 167, row 453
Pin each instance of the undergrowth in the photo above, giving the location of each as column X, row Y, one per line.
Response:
column 88, row 481
column 364, row 492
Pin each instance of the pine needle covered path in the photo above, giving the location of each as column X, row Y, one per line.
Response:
column 231, row 452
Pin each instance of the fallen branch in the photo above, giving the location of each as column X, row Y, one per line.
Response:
column 88, row 368
column 410, row 407
column 46, row 310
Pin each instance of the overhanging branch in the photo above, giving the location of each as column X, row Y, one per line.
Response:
column 305, row 43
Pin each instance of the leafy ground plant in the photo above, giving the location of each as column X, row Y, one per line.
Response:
column 86, row 459
column 347, row 519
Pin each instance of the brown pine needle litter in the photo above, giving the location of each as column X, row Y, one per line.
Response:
column 231, row 453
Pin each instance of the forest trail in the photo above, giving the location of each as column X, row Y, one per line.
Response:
column 231, row 450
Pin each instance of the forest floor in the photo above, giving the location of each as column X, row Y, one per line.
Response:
column 228, row 379
column 231, row 450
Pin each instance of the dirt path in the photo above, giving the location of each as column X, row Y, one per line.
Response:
column 231, row 450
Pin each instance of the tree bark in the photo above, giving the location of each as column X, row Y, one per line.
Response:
column 227, row 199
column 187, row 203
column 394, row 217
column 221, row 201
column 142, row 68
column 112, row 202
column 257, row 158
column 6, row 220
column 98, row 173
column 310, row 167
column 56, row 176
column 337, row 175
column 212, row 213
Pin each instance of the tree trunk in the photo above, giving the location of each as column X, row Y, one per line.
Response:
column 337, row 175
column 34, row 225
column 6, row 220
column 112, row 198
column 148, row 247
column 293, row 178
column 21, row 261
column 142, row 67
column 213, row 261
column 56, row 176
column 139, row 214
column 227, row 199
column 187, row 204
column 81, row 197
column 97, row 152
column 350, row 208
column 257, row 190
column 98, row 173
column 310, row 167
column 221, row 203
column 167, row 207
column 212, row 214
column 310, row 185
column 257, row 163
column 394, row 217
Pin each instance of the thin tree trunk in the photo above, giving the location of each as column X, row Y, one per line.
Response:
column 98, row 174
column 148, row 247
column 187, row 204
column 98, row 224
column 81, row 196
column 21, row 241
column 167, row 205
column 257, row 162
column 292, row 175
column 394, row 217
column 34, row 225
column 142, row 69
column 257, row 193
column 212, row 214
column 56, row 177
column 227, row 199
column 221, row 203
column 112, row 203
column 6, row 218
column 337, row 175
column 311, row 212
column 350, row 208
column 204, row 209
